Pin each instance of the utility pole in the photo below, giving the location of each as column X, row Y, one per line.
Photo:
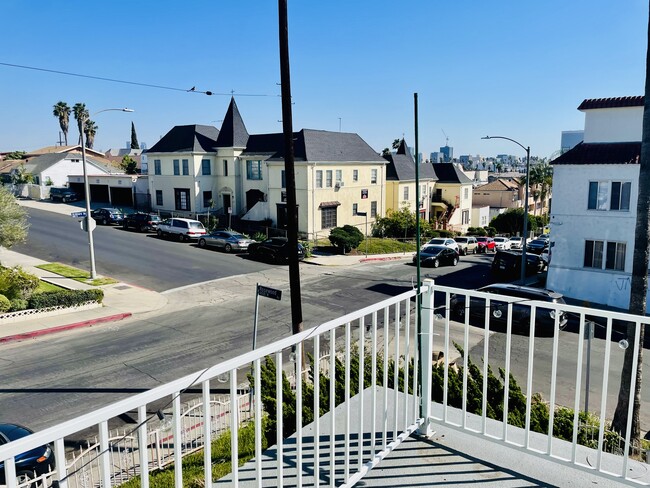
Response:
column 292, row 206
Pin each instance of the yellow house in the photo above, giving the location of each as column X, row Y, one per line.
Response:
column 452, row 198
column 228, row 171
column 400, row 182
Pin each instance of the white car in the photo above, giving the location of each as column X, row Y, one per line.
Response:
column 182, row 229
column 516, row 242
column 502, row 243
column 444, row 241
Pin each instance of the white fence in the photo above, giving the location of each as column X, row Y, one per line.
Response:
column 372, row 395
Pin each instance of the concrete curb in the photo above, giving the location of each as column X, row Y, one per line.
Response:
column 388, row 258
column 62, row 328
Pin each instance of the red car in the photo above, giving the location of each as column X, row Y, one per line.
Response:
column 486, row 244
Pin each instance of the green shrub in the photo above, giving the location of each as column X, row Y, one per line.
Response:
column 259, row 236
column 17, row 283
column 346, row 238
column 18, row 304
column 5, row 304
column 446, row 233
column 67, row 298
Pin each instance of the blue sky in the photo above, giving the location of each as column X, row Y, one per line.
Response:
column 513, row 68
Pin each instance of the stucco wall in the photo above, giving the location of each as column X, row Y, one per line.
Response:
column 622, row 124
column 572, row 223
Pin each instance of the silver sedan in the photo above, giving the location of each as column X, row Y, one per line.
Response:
column 227, row 240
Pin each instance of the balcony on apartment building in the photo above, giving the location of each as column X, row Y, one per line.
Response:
column 486, row 390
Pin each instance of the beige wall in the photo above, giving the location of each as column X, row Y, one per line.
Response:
column 493, row 198
column 395, row 195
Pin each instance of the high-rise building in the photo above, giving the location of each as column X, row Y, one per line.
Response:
column 448, row 153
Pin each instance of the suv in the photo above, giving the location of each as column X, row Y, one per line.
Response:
column 507, row 264
column 444, row 241
column 141, row 222
column 486, row 244
column 182, row 229
column 466, row 245
column 107, row 216
column 63, row 194
column 521, row 309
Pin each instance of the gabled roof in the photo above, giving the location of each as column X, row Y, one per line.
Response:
column 593, row 103
column 187, row 138
column 314, row 145
column 38, row 164
column 401, row 166
column 449, row 173
column 233, row 131
column 602, row 153
column 499, row 185
column 61, row 150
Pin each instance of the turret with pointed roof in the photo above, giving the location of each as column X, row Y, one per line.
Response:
column 233, row 132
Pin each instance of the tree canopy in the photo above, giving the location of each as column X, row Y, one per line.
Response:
column 129, row 165
column 13, row 220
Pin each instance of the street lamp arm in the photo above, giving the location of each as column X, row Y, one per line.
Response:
column 508, row 139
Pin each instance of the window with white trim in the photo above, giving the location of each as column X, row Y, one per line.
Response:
column 406, row 193
column 620, row 196
column 355, row 208
column 355, row 175
column 186, row 167
column 319, row 178
column 177, row 167
column 205, row 167
column 328, row 178
column 373, row 209
column 157, row 167
column 253, row 170
column 605, row 255
column 328, row 217
column 373, row 176
column 339, row 175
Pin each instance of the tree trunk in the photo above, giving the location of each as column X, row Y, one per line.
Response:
column 639, row 285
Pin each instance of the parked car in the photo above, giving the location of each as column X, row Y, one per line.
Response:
column 486, row 244
column 275, row 249
column 107, row 216
column 467, row 245
column 434, row 255
column 516, row 242
column 63, row 194
column 181, row 229
column 537, row 245
column 545, row 257
column 507, row 265
column 502, row 243
column 521, row 310
column 141, row 222
column 444, row 241
column 30, row 464
column 227, row 240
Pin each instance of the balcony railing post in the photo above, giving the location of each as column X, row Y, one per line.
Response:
column 425, row 364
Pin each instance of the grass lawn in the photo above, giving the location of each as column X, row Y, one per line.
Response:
column 376, row 245
column 76, row 274
column 44, row 287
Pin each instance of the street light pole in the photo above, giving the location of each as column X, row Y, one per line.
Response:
column 524, row 262
column 91, row 245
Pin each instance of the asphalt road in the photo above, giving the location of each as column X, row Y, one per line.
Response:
column 139, row 259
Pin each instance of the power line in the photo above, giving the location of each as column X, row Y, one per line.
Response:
column 126, row 82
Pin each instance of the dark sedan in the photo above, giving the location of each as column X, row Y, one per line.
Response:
column 436, row 255
column 275, row 249
column 521, row 310
column 536, row 246
column 29, row 464
column 142, row 222
column 107, row 216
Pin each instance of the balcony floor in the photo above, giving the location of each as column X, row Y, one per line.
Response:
column 448, row 458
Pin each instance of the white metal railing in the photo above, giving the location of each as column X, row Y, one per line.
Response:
column 367, row 413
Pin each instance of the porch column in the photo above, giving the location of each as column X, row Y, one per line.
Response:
column 426, row 360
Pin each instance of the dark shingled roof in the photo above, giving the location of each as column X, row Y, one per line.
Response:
column 314, row 145
column 186, row 138
column 449, row 173
column 592, row 103
column 233, row 131
column 602, row 153
column 401, row 166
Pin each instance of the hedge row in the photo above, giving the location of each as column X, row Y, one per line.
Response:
column 66, row 298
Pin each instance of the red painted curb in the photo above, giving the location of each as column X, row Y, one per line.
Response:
column 61, row 328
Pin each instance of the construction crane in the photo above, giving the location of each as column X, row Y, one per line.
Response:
column 446, row 137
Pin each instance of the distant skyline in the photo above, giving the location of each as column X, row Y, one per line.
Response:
column 510, row 68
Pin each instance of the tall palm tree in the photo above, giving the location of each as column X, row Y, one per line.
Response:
column 80, row 114
column 62, row 111
column 90, row 129
column 639, row 284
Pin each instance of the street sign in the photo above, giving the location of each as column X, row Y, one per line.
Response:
column 362, row 214
column 78, row 214
column 269, row 292
column 82, row 224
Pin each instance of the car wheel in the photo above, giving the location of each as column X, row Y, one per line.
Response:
column 463, row 252
column 458, row 311
column 181, row 237
column 227, row 248
column 454, row 262
column 474, row 251
column 104, row 222
column 23, row 477
column 435, row 263
column 159, row 233
column 201, row 242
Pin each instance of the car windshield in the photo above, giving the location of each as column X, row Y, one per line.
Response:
column 434, row 250
column 460, row 239
column 439, row 242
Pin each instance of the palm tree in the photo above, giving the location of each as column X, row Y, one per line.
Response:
column 80, row 114
column 639, row 285
column 90, row 129
column 62, row 111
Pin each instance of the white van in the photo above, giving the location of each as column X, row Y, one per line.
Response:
column 182, row 229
